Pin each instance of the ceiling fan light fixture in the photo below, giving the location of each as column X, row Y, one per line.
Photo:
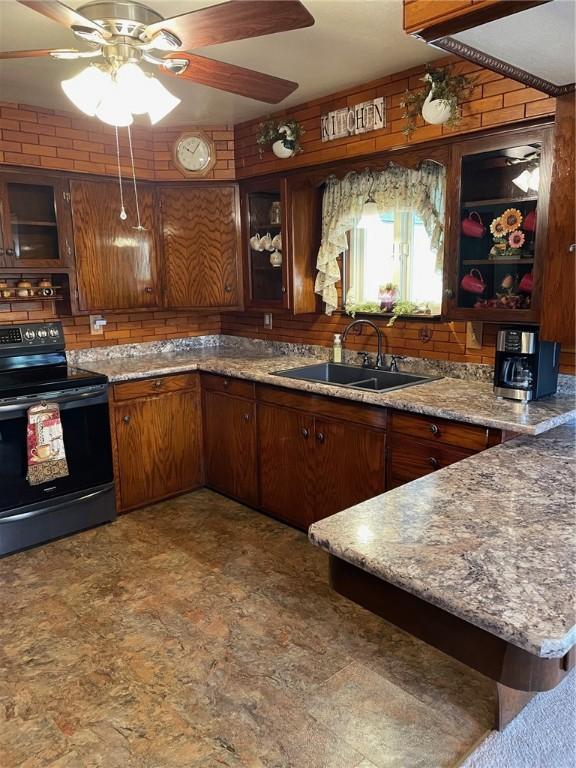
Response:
column 161, row 101
column 164, row 41
column 112, row 108
column 87, row 89
column 135, row 87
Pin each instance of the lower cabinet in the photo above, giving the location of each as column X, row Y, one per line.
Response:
column 157, row 438
column 315, row 462
column 230, row 439
column 419, row 445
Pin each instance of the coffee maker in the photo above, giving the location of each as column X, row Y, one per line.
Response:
column 526, row 368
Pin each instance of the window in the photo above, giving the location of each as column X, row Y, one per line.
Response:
column 390, row 258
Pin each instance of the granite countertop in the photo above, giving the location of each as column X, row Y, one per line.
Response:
column 489, row 539
column 457, row 399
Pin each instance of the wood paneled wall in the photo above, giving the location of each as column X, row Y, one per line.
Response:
column 494, row 101
column 66, row 141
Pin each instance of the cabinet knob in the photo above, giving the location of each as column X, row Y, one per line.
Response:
column 320, row 437
column 283, row 289
column 246, row 416
column 228, row 288
column 10, row 252
column 434, row 429
column 572, row 248
column 2, row 251
column 449, row 293
column 305, row 433
column 148, row 289
column 126, row 419
column 433, row 461
column 158, row 383
column 226, row 383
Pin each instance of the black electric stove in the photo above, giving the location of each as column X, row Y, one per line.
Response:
column 33, row 370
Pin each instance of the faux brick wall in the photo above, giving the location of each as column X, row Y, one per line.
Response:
column 50, row 140
column 494, row 101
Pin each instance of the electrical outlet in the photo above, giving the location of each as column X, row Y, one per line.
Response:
column 97, row 323
column 268, row 320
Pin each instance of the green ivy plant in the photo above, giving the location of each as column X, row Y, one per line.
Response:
column 269, row 132
column 447, row 87
column 399, row 309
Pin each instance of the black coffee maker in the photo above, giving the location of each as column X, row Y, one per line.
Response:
column 526, row 368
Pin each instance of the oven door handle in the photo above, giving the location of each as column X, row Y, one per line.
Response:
column 71, row 401
column 37, row 512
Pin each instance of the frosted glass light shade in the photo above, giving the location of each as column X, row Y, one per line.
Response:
column 135, row 88
column 86, row 89
column 161, row 101
column 113, row 108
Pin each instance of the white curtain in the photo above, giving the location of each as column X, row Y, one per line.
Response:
column 397, row 189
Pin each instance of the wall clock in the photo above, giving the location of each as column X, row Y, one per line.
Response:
column 194, row 153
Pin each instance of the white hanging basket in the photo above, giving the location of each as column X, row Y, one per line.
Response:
column 435, row 111
column 281, row 150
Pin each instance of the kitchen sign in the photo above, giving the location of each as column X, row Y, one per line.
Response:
column 349, row 121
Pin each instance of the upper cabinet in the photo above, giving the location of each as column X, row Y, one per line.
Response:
column 116, row 263
column 279, row 237
column 423, row 14
column 34, row 221
column 201, row 246
column 497, row 237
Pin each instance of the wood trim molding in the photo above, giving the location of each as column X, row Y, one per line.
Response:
column 502, row 67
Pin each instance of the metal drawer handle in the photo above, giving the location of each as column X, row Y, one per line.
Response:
column 320, row 437
column 126, row 419
column 434, row 429
column 305, row 433
column 433, row 461
column 246, row 417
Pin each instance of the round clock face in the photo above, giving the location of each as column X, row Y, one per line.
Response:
column 194, row 153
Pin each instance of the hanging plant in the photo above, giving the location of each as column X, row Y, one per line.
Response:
column 438, row 101
column 282, row 138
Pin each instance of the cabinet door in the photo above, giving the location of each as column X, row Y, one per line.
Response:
column 158, row 447
column 116, row 264
column 35, row 228
column 230, row 446
column 200, row 237
column 349, row 466
column 286, row 457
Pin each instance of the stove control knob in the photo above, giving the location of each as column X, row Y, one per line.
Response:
column 42, row 333
column 29, row 334
column 53, row 332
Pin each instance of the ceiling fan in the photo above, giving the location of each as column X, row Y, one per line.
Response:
column 123, row 34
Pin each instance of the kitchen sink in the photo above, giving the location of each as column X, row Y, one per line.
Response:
column 354, row 377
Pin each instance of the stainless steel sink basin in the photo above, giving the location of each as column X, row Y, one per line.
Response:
column 354, row 377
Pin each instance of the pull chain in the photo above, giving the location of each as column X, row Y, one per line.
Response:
column 123, row 214
column 139, row 223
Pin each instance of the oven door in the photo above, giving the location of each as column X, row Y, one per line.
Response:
column 86, row 429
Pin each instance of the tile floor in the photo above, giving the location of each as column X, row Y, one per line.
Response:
column 200, row 634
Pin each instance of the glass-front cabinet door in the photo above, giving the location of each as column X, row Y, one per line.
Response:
column 34, row 226
column 498, row 231
column 265, row 234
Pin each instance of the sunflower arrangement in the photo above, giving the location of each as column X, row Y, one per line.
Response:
column 507, row 235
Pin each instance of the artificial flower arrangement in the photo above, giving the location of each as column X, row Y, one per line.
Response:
column 438, row 101
column 507, row 235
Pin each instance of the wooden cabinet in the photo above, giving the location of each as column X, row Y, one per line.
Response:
column 116, row 264
column 489, row 275
column 35, row 227
column 201, row 253
column 421, row 15
column 313, row 463
column 281, row 238
column 230, row 458
column 419, row 445
column 157, row 439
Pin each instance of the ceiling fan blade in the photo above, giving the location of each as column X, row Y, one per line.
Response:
column 234, row 20
column 229, row 77
column 34, row 54
column 62, row 14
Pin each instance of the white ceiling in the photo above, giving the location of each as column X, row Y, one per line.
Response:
column 352, row 42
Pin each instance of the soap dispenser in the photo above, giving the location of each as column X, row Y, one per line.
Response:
column 337, row 349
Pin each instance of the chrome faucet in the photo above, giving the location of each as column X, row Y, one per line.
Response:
column 379, row 363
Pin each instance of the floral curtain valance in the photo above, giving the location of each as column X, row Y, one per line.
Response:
column 420, row 190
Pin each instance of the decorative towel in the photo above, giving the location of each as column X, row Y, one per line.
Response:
column 46, row 455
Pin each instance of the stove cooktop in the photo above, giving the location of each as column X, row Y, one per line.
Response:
column 50, row 378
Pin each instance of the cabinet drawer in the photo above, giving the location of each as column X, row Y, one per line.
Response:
column 229, row 385
column 410, row 459
column 131, row 390
column 441, row 430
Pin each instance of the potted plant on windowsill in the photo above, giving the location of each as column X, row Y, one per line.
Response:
column 438, row 101
column 282, row 138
